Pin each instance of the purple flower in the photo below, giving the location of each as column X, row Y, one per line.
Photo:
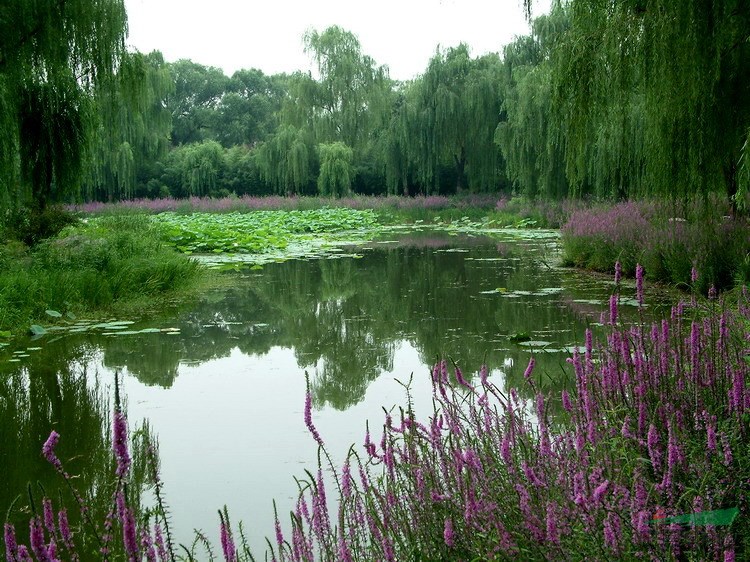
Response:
column 613, row 309
column 67, row 536
column 599, row 491
column 618, row 272
column 652, row 441
column 48, row 450
column 693, row 275
column 227, row 541
column 566, row 401
column 726, row 448
column 49, row 516
column 461, row 380
column 448, row 534
column 553, row 534
column 36, row 537
column 346, row 479
column 160, row 547
column 279, row 534
column 529, row 369
column 120, row 443
column 308, row 418
column 148, row 545
column 612, row 531
column 11, row 546
column 483, row 375
column 129, row 533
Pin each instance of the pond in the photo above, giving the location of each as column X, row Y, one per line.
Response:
column 221, row 380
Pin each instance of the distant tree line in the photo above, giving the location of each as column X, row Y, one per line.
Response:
column 608, row 100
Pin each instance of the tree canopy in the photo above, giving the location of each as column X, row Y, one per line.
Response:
column 53, row 55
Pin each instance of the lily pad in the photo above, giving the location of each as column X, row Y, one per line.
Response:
column 37, row 330
column 53, row 313
column 535, row 344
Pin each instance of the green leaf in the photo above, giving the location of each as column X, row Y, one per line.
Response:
column 53, row 313
column 5, row 334
column 37, row 330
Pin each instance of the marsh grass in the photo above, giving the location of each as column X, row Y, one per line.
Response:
column 89, row 268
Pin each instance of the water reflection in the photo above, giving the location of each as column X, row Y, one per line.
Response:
column 224, row 387
column 52, row 392
column 457, row 297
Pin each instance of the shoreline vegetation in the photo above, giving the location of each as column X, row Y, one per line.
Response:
column 127, row 249
column 641, row 456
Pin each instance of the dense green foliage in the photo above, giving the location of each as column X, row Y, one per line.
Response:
column 88, row 268
column 54, row 57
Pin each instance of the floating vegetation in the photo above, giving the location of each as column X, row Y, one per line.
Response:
column 258, row 232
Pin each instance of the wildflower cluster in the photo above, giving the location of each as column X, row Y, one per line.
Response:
column 651, row 429
column 669, row 242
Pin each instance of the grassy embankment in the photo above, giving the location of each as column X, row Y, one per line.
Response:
column 689, row 246
column 120, row 260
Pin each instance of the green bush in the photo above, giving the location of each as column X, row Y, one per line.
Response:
column 32, row 225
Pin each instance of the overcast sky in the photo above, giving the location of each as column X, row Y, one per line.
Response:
column 401, row 34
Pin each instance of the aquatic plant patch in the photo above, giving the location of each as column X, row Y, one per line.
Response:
column 258, row 232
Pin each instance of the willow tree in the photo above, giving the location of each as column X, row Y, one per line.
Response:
column 133, row 127
column 394, row 144
column 335, row 177
column 287, row 160
column 530, row 141
column 52, row 56
column 671, row 83
column 350, row 99
column 458, row 103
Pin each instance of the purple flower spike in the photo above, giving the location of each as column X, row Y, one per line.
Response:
column 448, row 535
column 600, row 490
column 618, row 272
column 48, row 450
column 11, row 546
column 36, row 537
column 613, row 309
column 308, row 419
column 529, row 369
column 120, row 443
column 566, row 401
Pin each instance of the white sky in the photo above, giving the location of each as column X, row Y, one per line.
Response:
column 402, row 34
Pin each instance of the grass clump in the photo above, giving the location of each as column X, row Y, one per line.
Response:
column 90, row 267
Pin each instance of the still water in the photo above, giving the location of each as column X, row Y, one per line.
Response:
column 221, row 380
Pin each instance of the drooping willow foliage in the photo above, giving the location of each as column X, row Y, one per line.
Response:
column 133, row 126
column 53, row 54
column 653, row 97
